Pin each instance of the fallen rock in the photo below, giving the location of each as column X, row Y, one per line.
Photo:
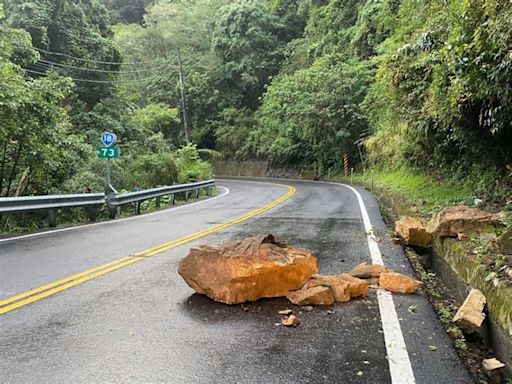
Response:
column 338, row 287
column 343, row 286
column 291, row 321
column 413, row 232
column 366, row 271
column 470, row 315
column 494, row 369
column 396, row 282
column 286, row 312
column 505, row 242
column 312, row 296
column 460, row 220
column 247, row 270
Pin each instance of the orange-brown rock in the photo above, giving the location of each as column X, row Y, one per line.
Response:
column 343, row 286
column 470, row 315
column 366, row 271
column 312, row 296
column 396, row 282
column 247, row 270
column 413, row 232
column 460, row 220
column 291, row 321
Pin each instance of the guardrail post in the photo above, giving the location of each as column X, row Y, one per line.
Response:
column 197, row 193
column 157, row 202
column 173, row 199
column 208, row 191
column 115, row 212
column 137, row 207
column 92, row 213
column 186, row 195
column 52, row 218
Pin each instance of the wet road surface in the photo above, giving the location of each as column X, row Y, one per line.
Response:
column 142, row 323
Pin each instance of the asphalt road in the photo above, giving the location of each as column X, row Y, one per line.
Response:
column 142, row 323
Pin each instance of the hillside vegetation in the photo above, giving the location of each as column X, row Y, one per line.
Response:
column 395, row 84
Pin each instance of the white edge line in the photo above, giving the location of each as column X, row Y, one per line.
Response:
column 400, row 366
column 84, row 226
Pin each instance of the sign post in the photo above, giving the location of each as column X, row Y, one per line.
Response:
column 109, row 152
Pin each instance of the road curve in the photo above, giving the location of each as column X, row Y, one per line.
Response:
column 141, row 323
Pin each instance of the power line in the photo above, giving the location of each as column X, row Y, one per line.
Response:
column 89, row 80
column 94, row 61
column 52, row 63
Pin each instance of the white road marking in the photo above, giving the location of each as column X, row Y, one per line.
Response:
column 9, row 239
column 398, row 357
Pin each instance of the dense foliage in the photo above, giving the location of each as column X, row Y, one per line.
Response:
column 394, row 83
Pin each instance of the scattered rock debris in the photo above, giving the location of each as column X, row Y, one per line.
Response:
column 260, row 267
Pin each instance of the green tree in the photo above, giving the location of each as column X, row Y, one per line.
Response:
column 246, row 39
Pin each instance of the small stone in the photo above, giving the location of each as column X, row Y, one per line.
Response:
column 291, row 321
column 286, row 312
column 470, row 315
column 492, row 364
column 311, row 296
column 396, row 282
column 494, row 369
column 307, row 308
column 365, row 270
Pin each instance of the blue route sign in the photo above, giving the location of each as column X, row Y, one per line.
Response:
column 108, row 139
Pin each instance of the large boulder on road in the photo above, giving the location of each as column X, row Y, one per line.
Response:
column 247, row 270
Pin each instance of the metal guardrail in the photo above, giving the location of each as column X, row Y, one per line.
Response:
column 115, row 200
column 92, row 202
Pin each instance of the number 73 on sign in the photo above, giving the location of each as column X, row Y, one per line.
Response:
column 108, row 153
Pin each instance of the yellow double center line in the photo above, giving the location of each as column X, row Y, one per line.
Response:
column 39, row 293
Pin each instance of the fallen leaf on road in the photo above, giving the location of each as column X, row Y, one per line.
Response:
column 360, row 373
column 286, row 312
column 412, row 308
column 432, row 348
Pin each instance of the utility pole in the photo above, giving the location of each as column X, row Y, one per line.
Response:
column 183, row 99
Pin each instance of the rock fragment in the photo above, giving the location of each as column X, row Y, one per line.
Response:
column 505, row 242
column 247, row 270
column 413, row 232
column 343, row 286
column 470, row 315
column 396, row 282
column 366, row 271
column 460, row 220
column 494, row 369
column 286, row 312
column 312, row 296
column 291, row 321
